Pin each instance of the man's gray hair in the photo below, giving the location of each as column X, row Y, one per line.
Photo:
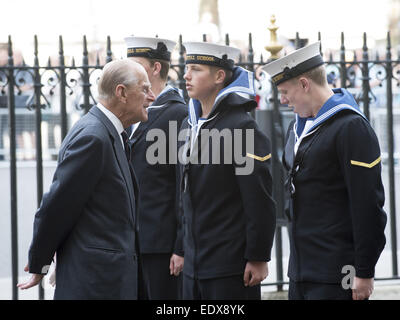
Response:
column 115, row 73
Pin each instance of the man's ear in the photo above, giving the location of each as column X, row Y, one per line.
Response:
column 156, row 68
column 120, row 93
column 220, row 76
column 305, row 84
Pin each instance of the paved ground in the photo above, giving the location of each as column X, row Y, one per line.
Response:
column 382, row 291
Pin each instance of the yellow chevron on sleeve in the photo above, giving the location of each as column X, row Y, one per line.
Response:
column 364, row 164
column 257, row 157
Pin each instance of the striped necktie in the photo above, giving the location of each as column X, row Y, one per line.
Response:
column 127, row 146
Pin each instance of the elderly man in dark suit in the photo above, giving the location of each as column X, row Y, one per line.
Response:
column 88, row 217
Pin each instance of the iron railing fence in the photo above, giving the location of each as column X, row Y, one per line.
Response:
column 39, row 103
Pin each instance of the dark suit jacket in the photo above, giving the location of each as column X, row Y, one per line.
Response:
column 88, row 216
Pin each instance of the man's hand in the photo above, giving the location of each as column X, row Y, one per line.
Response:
column 33, row 281
column 255, row 272
column 175, row 265
column 362, row 288
column 52, row 278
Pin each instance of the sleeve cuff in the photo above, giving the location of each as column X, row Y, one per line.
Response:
column 365, row 273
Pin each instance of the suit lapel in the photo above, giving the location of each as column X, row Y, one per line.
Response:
column 120, row 156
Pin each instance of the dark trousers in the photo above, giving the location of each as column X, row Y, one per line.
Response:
column 155, row 281
column 318, row 291
column 227, row 288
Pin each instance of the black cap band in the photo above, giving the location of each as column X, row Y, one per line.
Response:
column 210, row 60
column 160, row 53
column 290, row 73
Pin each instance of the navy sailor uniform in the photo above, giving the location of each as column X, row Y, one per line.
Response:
column 336, row 215
column 229, row 218
column 158, row 222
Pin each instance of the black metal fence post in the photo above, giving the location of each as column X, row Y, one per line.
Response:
column 38, row 136
column 181, row 68
column 85, row 77
column 277, row 188
column 390, row 135
column 297, row 41
column 365, row 77
column 13, row 170
column 109, row 52
column 250, row 55
column 343, row 70
column 275, row 134
column 250, row 64
column 63, row 85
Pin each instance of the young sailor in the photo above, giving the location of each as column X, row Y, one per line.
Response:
column 161, row 254
column 334, row 162
column 229, row 214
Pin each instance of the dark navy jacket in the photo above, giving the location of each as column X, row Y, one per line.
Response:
column 229, row 218
column 336, row 209
column 159, row 224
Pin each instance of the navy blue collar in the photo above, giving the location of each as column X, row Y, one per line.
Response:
column 341, row 100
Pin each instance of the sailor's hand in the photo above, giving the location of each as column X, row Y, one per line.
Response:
column 362, row 288
column 175, row 265
column 255, row 272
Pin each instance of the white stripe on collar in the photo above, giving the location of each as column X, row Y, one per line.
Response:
column 331, row 112
column 156, row 107
column 303, row 135
column 241, row 89
column 195, row 129
column 318, row 121
column 136, row 125
column 165, row 90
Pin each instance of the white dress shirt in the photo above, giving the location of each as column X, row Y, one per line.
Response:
column 114, row 120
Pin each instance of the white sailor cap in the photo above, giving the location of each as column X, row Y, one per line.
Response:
column 295, row 63
column 211, row 54
column 152, row 48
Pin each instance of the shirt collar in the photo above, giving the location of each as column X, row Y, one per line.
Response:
column 112, row 117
